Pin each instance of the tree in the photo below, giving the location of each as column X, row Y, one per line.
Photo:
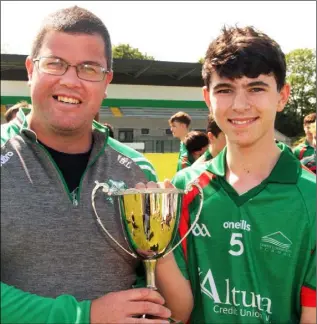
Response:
column 125, row 51
column 301, row 75
column 201, row 60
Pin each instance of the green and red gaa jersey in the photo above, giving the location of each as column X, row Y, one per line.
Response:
column 184, row 158
column 310, row 162
column 251, row 257
column 303, row 150
column 204, row 157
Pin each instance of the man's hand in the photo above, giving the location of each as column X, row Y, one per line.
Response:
column 126, row 306
column 165, row 184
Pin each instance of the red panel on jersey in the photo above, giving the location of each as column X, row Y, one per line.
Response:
column 203, row 181
column 308, row 297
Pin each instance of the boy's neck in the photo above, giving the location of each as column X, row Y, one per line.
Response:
column 248, row 166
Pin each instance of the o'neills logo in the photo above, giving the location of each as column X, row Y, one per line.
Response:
column 234, row 301
column 237, row 225
column 5, row 158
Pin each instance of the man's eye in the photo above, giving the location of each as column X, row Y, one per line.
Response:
column 54, row 65
column 90, row 69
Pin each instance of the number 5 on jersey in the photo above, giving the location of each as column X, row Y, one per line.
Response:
column 236, row 243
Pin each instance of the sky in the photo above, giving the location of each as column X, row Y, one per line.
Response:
column 178, row 31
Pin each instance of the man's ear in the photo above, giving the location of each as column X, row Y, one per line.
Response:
column 284, row 95
column 29, row 67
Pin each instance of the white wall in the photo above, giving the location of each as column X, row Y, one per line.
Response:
column 119, row 91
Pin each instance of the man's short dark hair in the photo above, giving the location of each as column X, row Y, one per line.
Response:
column 195, row 141
column 111, row 130
column 73, row 20
column 239, row 52
column 9, row 114
column 180, row 117
column 212, row 126
column 311, row 118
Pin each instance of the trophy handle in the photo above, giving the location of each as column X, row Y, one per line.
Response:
column 105, row 189
column 201, row 195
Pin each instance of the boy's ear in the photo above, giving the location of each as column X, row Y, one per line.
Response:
column 206, row 95
column 284, row 95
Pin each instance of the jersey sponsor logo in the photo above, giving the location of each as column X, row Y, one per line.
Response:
column 243, row 225
column 232, row 300
column 276, row 243
column 124, row 161
column 6, row 157
column 200, row 230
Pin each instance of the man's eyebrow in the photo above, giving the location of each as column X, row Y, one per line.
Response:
column 91, row 63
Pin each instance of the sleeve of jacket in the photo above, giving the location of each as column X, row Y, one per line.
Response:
column 18, row 306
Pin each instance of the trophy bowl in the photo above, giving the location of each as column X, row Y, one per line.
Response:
column 150, row 219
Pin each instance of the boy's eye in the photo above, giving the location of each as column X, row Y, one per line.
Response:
column 256, row 89
column 224, row 91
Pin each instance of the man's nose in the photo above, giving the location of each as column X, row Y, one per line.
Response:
column 70, row 78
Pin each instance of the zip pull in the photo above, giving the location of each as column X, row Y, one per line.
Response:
column 74, row 197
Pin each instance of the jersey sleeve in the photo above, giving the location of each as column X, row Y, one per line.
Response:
column 18, row 306
column 296, row 151
column 310, row 278
column 183, row 162
column 180, row 253
column 308, row 289
column 147, row 168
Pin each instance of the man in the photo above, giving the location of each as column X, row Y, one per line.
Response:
column 217, row 141
column 251, row 257
column 306, row 149
column 310, row 161
column 196, row 144
column 179, row 124
column 57, row 266
column 12, row 111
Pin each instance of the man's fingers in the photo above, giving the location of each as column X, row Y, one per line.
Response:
column 168, row 184
column 151, row 185
column 147, row 321
column 144, row 294
column 140, row 185
column 149, row 308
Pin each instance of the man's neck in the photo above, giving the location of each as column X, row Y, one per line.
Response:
column 247, row 167
column 68, row 142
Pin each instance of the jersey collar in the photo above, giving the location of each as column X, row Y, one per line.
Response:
column 286, row 170
column 22, row 123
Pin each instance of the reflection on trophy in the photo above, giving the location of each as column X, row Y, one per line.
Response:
column 150, row 219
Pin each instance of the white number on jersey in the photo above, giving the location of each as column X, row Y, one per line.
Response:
column 236, row 240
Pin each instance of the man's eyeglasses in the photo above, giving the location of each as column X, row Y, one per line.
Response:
column 57, row 66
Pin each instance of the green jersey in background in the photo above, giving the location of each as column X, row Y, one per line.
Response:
column 303, row 150
column 184, row 158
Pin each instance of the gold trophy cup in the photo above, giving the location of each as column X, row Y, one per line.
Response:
column 150, row 219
